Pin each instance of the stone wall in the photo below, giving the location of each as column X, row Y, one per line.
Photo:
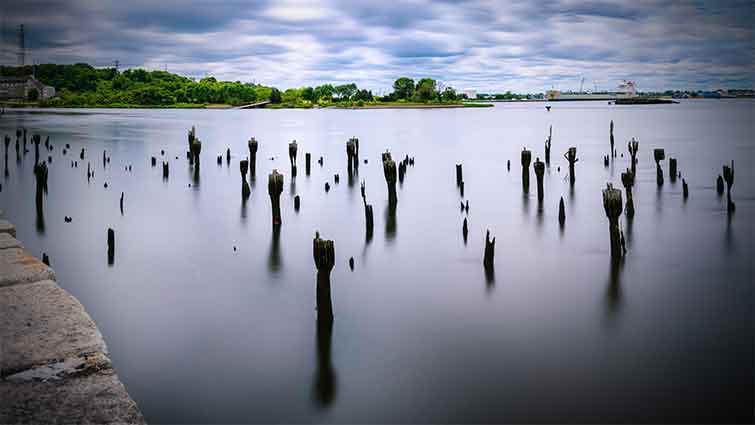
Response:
column 54, row 365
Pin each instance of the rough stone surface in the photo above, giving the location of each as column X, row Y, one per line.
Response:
column 42, row 323
column 8, row 241
column 18, row 266
column 7, row 227
column 85, row 399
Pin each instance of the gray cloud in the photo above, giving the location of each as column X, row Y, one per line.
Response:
column 488, row 45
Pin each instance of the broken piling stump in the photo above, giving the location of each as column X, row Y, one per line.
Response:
column 729, row 178
column 571, row 158
column 672, row 169
column 274, row 189
column 526, row 159
column 633, row 145
column 243, row 167
column 110, row 246
column 465, row 230
column 613, row 151
column 720, row 185
column 165, row 170
column 459, row 176
column 685, row 189
column 389, row 171
column 252, row 144
column 489, row 255
column 561, row 212
column 539, row 172
column 548, row 146
column 613, row 206
column 297, row 203
column 292, row 148
column 121, row 203
column 627, row 179
column 659, row 155
column 307, row 162
column 324, row 254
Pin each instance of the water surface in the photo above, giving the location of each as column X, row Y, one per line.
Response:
column 199, row 332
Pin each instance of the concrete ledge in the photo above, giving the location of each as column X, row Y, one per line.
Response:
column 8, row 241
column 7, row 227
column 94, row 398
column 18, row 266
column 42, row 323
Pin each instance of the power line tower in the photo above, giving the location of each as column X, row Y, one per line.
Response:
column 21, row 46
column 116, row 64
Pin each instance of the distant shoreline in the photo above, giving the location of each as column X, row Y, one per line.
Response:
column 19, row 106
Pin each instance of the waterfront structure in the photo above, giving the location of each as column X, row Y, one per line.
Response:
column 14, row 88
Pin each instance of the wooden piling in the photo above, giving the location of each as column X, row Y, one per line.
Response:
column 121, row 203
column 633, row 145
column 561, row 212
column 297, row 203
column 489, row 256
column 526, row 159
column 252, row 144
column 613, row 151
column 307, row 162
column 110, row 245
column 659, row 155
column 571, row 158
column 539, row 167
column 243, row 168
column 324, row 254
column 613, row 206
column 720, row 185
column 465, row 230
column 729, row 179
column 165, row 170
column 459, row 176
column 389, row 171
column 685, row 189
column 672, row 169
column 548, row 146
column 627, row 179
column 292, row 148
column 274, row 189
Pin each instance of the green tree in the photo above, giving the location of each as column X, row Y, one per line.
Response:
column 403, row 88
column 308, row 93
column 345, row 91
column 33, row 94
column 425, row 90
column 449, row 95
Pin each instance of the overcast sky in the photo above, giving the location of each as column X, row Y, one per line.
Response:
column 483, row 45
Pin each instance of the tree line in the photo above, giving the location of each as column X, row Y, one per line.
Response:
column 84, row 85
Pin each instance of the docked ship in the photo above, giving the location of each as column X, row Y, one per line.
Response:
column 626, row 94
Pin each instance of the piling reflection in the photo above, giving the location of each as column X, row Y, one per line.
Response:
column 613, row 290
column 274, row 261
column 390, row 221
column 325, row 382
column 489, row 278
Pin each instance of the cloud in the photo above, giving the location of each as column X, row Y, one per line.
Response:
column 488, row 45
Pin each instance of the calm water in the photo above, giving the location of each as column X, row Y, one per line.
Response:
column 200, row 333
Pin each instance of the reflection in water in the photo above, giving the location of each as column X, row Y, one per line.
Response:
column 613, row 290
column 243, row 209
column 324, row 387
column 274, row 260
column 525, row 204
column 489, row 278
column 40, row 223
column 630, row 225
column 390, row 221
column 729, row 241
column 292, row 187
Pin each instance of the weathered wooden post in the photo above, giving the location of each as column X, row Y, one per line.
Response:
column 613, row 205
column 605, row 161
column 459, row 176
column 729, row 178
column 324, row 253
column 508, row 165
column 539, row 172
column 561, row 212
column 245, row 191
column 36, row 139
column 720, row 185
column 307, row 162
column 351, row 154
column 633, row 146
column 252, row 144
column 274, row 189
column 110, row 246
column 46, row 259
column 571, row 158
column 389, row 171
column 292, row 148
column 672, row 169
column 627, row 179
column 685, row 189
column 548, row 146
column 165, row 170
column 368, row 220
column 228, row 155
column 526, row 159
column 465, row 230
column 401, row 171
column 659, row 155
column 121, row 203
column 297, row 203
column 489, row 255
column 40, row 172
column 613, row 152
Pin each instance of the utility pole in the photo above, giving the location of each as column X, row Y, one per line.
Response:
column 21, row 46
column 116, row 64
